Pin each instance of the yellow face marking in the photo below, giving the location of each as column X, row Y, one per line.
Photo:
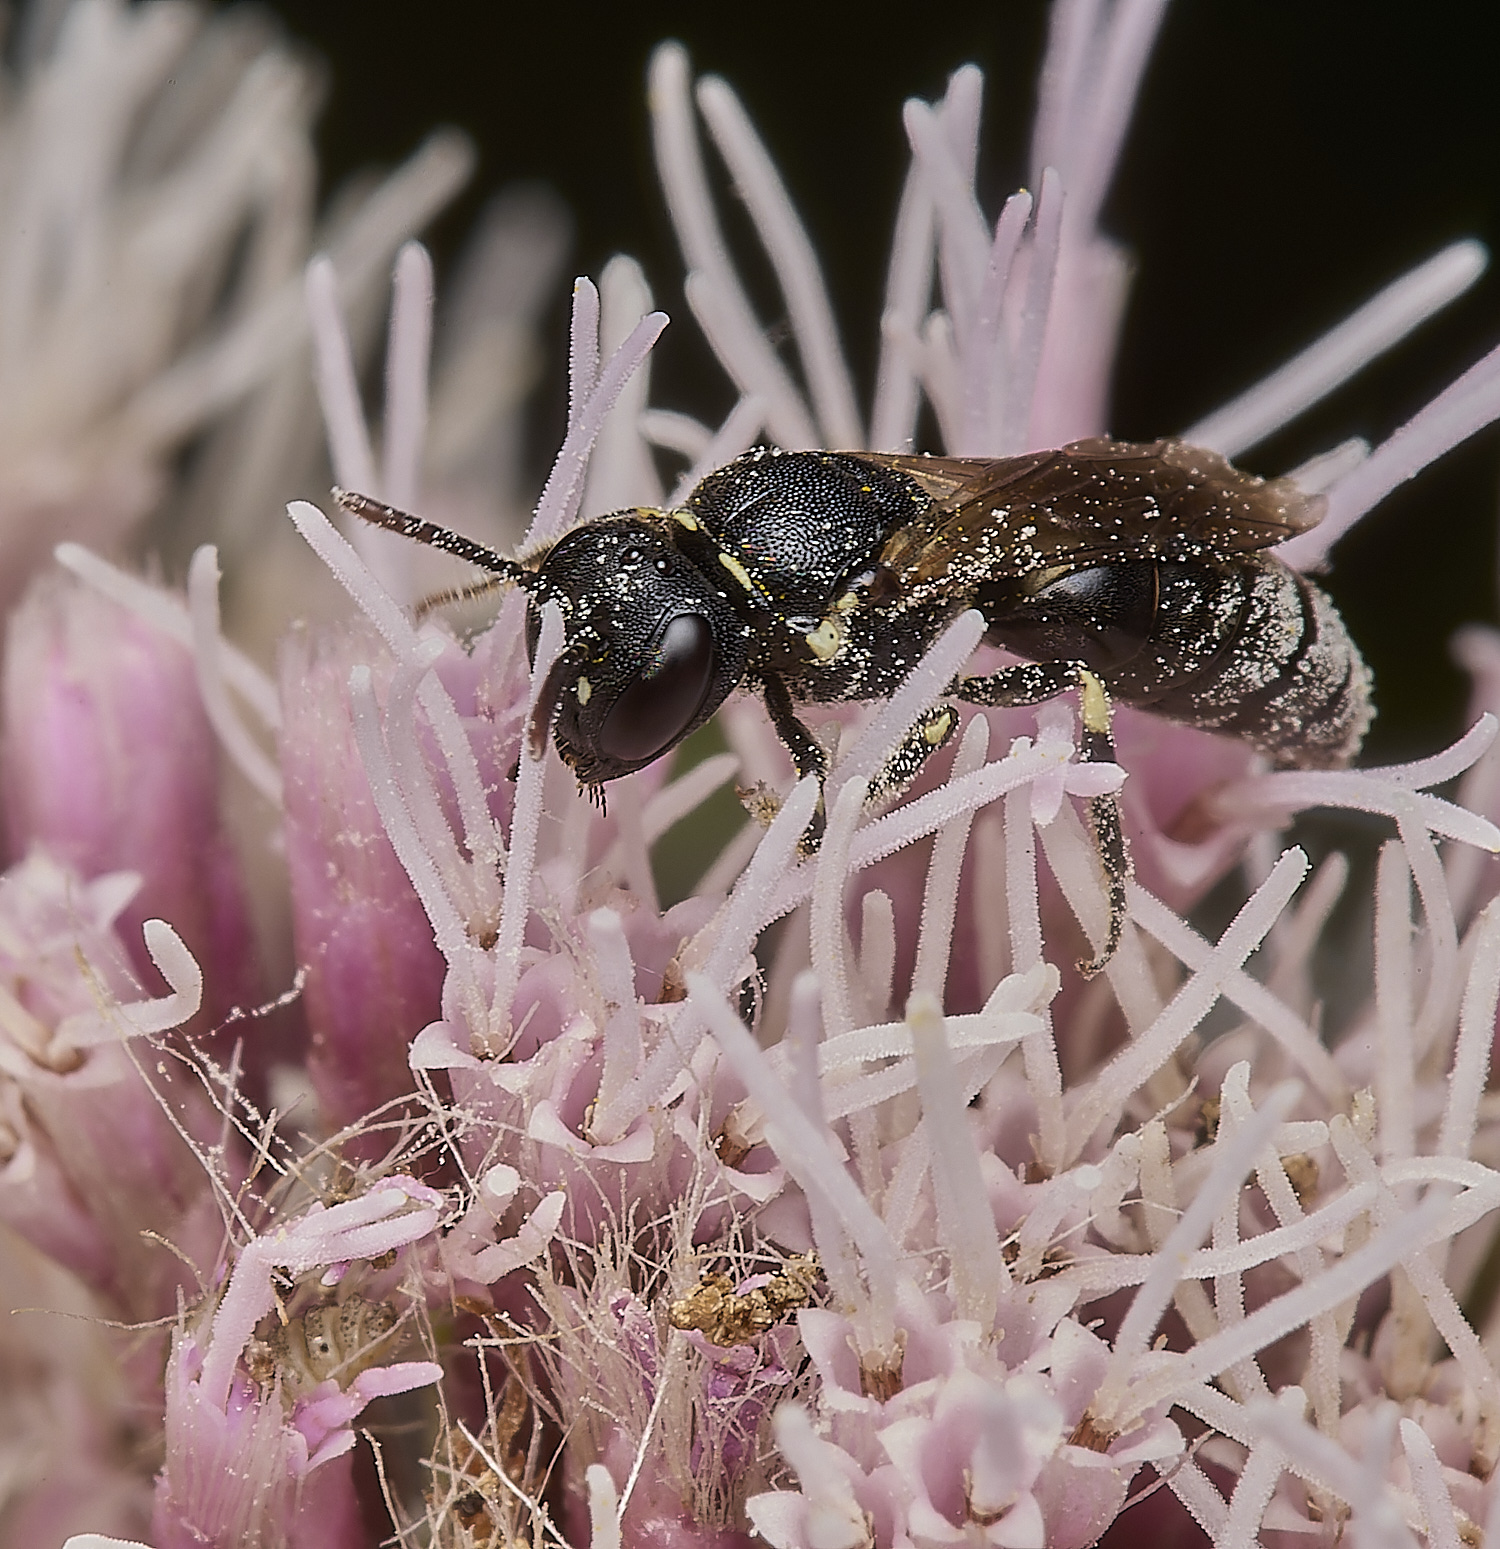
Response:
column 825, row 640
column 585, row 690
column 1095, row 703
column 737, row 570
column 684, row 519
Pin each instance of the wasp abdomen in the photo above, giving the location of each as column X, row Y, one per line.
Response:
column 1286, row 678
column 1250, row 648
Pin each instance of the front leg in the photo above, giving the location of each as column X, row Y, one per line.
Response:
column 808, row 756
column 931, row 732
column 1032, row 683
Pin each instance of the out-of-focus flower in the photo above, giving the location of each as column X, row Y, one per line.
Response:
column 831, row 1204
column 114, row 767
column 94, row 1152
column 158, row 207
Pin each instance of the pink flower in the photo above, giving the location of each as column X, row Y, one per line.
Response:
column 98, row 1137
column 373, row 970
column 111, row 766
column 832, row 1203
column 236, row 1460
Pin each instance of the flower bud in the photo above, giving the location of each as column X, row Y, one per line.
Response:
column 110, row 765
column 374, row 974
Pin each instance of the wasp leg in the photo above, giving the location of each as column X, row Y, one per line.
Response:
column 933, row 731
column 1030, row 684
column 807, row 756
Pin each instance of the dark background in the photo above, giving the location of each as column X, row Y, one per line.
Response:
column 1286, row 161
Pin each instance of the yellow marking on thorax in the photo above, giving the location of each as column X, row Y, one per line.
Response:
column 825, row 640
column 684, row 519
column 738, row 571
column 585, row 690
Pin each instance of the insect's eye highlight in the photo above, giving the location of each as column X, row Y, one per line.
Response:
column 664, row 699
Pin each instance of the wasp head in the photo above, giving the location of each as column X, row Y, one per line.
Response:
column 652, row 649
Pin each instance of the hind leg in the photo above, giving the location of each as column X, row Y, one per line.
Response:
column 1033, row 683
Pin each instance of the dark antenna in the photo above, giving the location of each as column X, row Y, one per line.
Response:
column 506, row 571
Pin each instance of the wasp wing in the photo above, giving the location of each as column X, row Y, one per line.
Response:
column 1090, row 501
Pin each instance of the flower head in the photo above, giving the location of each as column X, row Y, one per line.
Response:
column 833, row 1202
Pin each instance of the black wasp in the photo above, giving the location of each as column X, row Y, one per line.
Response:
column 1134, row 571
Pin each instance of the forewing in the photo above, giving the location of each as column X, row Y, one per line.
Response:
column 1085, row 503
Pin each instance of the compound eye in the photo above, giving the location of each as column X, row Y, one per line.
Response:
column 664, row 700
